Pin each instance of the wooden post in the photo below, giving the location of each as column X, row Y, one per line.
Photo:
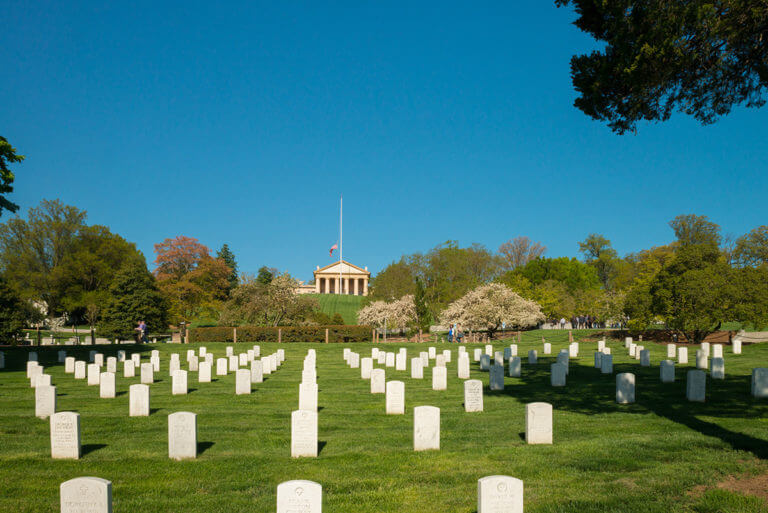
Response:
column 419, row 335
column 373, row 335
column 234, row 335
column 570, row 336
column 280, row 335
column 326, row 335
column 519, row 337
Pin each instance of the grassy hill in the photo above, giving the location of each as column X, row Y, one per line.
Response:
column 347, row 306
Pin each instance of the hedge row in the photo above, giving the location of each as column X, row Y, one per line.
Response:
column 289, row 334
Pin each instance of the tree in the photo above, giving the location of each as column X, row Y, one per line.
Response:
column 696, row 57
column 519, row 251
column 228, row 257
column 421, row 309
column 178, row 256
column 696, row 292
column 8, row 156
column 489, row 306
column 394, row 281
column 573, row 274
column 751, row 249
column 133, row 296
column 599, row 254
column 397, row 314
column 266, row 275
column 692, row 229
column 337, row 320
column 273, row 304
column 11, row 314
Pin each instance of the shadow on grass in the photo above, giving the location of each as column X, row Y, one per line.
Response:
column 118, row 394
column 152, row 411
column 320, row 446
column 89, row 448
column 588, row 391
column 203, row 446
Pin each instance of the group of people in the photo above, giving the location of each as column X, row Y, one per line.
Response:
column 454, row 333
column 579, row 322
column 142, row 329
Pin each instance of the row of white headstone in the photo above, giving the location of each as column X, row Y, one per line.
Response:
column 94, row 495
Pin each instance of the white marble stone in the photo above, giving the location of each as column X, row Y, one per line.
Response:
column 547, row 348
column 179, row 383
column 667, row 371
column 439, row 378
column 221, row 366
column 138, row 400
column 702, row 360
column 389, row 360
column 45, row 401
column 557, row 374
column 625, row 388
column 107, row 385
column 304, row 434
column 182, row 435
column 155, row 361
column 573, row 350
column 645, row 358
column 717, row 350
column 736, row 347
column 354, row 360
column 234, row 363
column 424, row 355
column 121, row 355
column 671, row 350
column 496, row 377
column 395, row 399
column 400, row 364
column 463, row 366
column 33, row 368
column 432, row 352
column 257, row 351
column 600, row 345
column 378, row 381
column 65, row 435
column 498, row 358
column 627, row 341
column 477, row 353
column 299, row 496
column 112, row 365
column 696, row 386
column 632, row 350
column 309, row 375
column 242, row 359
column 86, row 495
column 533, row 357
column 366, row 366
column 147, row 374
column 426, row 428
column 98, row 359
column 230, row 351
column 266, row 366
column 563, row 358
column 91, row 356
column 242, row 382
column 417, row 368
column 499, row 494
column 129, row 369
column 485, row 362
column 202, row 351
column 440, row 361
column 513, row 350
column 136, row 358
column 682, row 355
column 705, row 346
column 538, row 423
column 257, row 371
column 204, row 372
column 473, row 395
column 489, row 349
column 447, row 355
column 80, row 372
column 381, row 359
column 69, row 364
column 717, row 367
column 41, row 380
column 759, row 382
column 94, row 374
column 598, row 359
column 194, row 363
column 515, row 367
column 308, row 396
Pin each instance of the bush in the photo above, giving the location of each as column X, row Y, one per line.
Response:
column 336, row 333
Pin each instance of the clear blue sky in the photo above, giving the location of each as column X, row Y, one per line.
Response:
column 244, row 123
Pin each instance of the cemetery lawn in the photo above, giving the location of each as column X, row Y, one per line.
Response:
column 347, row 306
column 659, row 455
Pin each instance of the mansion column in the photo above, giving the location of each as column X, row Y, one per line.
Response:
column 317, row 285
column 365, row 286
column 354, row 283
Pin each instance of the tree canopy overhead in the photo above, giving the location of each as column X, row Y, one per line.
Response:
column 8, row 155
column 701, row 58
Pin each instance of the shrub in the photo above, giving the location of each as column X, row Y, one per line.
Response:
column 336, row 333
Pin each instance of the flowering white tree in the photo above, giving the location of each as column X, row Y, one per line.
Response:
column 396, row 314
column 489, row 306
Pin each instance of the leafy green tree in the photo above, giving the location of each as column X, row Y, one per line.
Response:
column 133, row 296
column 228, row 257
column 8, row 156
column 337, row 320
column 393, row 282
column 266, row 275
column 272, row 304
column 423, row 314
column 12, row 316
column 692, row 229
column 696, row 292
column 598, row 253
column 519, row 251
column 570, row 272
column 752, row 248
column 701, row 58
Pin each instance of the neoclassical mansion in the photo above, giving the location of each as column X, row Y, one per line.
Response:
column 354, row 280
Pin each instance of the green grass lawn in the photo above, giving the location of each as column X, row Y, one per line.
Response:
column 645, row 457
column 347, row 306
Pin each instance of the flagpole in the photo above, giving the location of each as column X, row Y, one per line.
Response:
column 341, row 253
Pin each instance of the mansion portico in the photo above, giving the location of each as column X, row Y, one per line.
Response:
column 354, row 280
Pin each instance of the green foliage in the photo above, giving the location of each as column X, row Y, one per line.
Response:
column 336, row 333
column 657, row 57
column 275, row 303
column 12, row 316
column 423, row 315
column 266, row 275
column 8, row 155
column 599, row 254
column 133, row 296
column 337, row 319
column 693, row 229
column 393, row 282
column 228, row 257
column 570, row 272
column 752, row 248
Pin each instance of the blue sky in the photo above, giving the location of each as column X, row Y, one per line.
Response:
column 244, row 123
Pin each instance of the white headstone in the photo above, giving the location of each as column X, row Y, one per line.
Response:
column 204, row 372
column 760, row 382
column 299, row 496
column 717, row 369
column 308, row 396
column 447, row 355
column 69, row 364
column 129, row 369
column 354, row 360
column 702, row 359
column 477, row 353
column 136, row 357
column 86, row 495
column 94, row 374
column 426, row 428
column 65, row 435
column 424, row 358
column 266, row 366
column 489, row 349
column 221, row 366
column 473, row 395
column 366, row 366
column 378, row 381
column 432, row 352
column 194, row 363
column 304, row 434
column 155, row 361
column 182, row 435
column 417, row 368
column 498, row 358
column 557, row 374
column 400, row 364
column 242, row 382
column 112, row 364
column 439, row 378
column 147, row 373
column 496, row 377
column 121, row 355
column 706, row 348
column 179, row 380
column 485, row 362
column 62, row 356
column 696, row 386
column 625, row 388
column 736, row 346
column 45, row 401
column 395, row 400
column 682, row 355
column 598, row 359
column 538, row 423
column 547, row 348
column 512, row 350
column 573, row 349
column 671, row 350
column 234, row 363
column 533, row 357
column 138, row 400
column 463, row 366
column 80, row 369
column 107, row 385
column 440, row 361
column 515, row 367
column 499, row 494
column 98, row 359
column 667, row 371
column 230, row 351
column 645, row 358
column 257, row 372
